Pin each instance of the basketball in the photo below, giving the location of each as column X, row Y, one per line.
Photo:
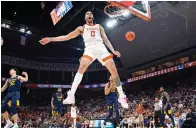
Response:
column 130, row 36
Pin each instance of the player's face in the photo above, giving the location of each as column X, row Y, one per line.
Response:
column 59, row 90
column 111, row 80
column 89, row 17
column 161, row 89
column 156, row 99
column 12, row 72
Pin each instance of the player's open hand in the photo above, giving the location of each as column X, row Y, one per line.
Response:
column 117, row 53
column 45, row 40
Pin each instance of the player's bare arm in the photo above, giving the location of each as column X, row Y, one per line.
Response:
column 67, row 37
column 4, row 86
column 24, row 79
column 52, row 106
column 167, row 97
column 107, row 89
column 107, row 42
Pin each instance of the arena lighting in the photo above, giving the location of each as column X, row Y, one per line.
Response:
column 7, row 26
column 111, row 23
column 126, row 13
column 3, row 25
column 22, row 30
column 29, row 32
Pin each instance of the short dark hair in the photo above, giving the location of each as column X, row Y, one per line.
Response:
column 15, row 69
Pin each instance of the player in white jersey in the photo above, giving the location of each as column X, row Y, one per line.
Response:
column 74, row 112
column 94, row 39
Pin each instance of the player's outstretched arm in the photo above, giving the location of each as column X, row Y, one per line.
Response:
column 107, row 42
column 24, row 79
column 4, row 86
column 67, row 37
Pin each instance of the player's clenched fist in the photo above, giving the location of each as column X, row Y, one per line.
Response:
column 24, row 73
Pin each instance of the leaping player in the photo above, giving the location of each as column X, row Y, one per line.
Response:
column 94, row 38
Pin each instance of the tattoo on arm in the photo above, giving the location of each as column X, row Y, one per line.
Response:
column 106, row 40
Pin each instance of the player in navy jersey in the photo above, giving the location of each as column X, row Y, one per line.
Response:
column 57, row 103
column 13, row 84
column 112, row 101
column 166, row 108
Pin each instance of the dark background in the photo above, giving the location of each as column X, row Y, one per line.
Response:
column 171, row 29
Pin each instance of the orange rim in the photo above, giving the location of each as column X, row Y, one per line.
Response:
column 117, row 4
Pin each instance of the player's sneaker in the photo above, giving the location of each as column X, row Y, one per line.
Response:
column 117, row 126
column 9, row 125
column 123, row 101
column 15, row 126
column 70, row 98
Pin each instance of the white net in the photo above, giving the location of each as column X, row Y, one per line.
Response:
column 113, row 11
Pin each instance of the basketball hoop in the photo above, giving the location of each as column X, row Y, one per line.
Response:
column 113, row 11
column 140, row 9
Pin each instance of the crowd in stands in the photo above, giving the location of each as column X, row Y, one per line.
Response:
column 183, row 99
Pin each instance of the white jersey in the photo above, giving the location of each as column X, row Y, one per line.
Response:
column 73, row 112
column 92, row 35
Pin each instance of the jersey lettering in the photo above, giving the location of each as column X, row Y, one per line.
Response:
column 93, row 33
column 12, row 82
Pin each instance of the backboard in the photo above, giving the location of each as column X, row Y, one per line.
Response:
column 138, row 8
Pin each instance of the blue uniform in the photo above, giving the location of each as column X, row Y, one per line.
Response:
column 112, row 103
column 13, row 94
column 165, row 111
column 58, row 103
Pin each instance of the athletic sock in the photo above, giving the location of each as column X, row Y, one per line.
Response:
column 120, row 90
column 76, row 82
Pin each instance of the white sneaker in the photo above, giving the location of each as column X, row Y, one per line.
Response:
column 70, row 98
column 123, row 101
column 15, row 126
column 9, row 125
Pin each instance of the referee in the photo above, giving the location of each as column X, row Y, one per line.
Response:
column 157, row 111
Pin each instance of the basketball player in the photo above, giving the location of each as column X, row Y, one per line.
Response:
column 57, row 103
column 94, row 39
column 74, row 111
column 157, row 111
column 13, row 84
column 112, row 101
column 139, row 108
column 166, row 107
